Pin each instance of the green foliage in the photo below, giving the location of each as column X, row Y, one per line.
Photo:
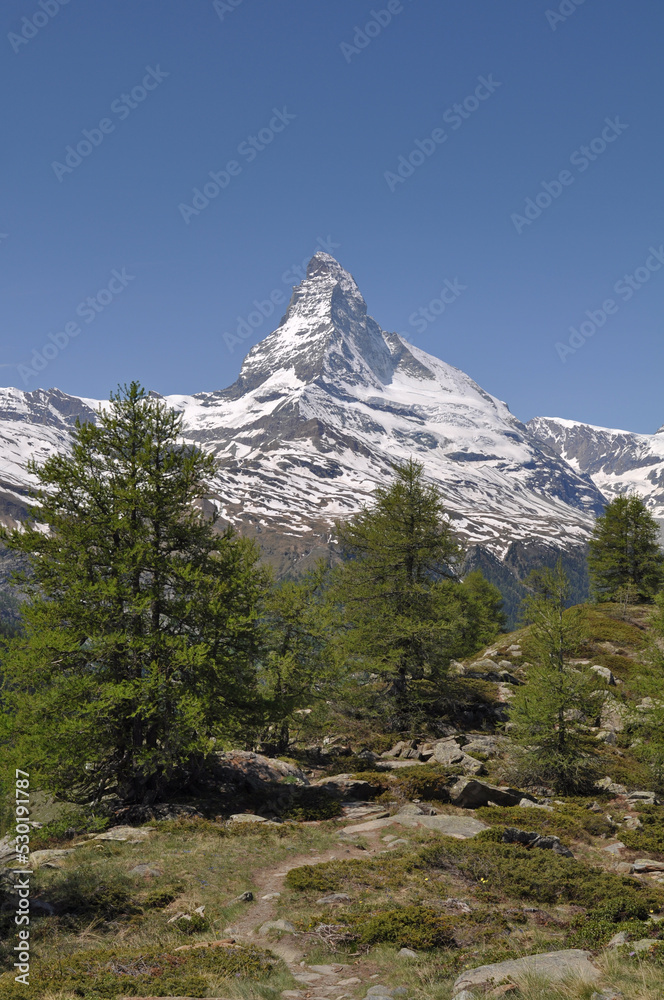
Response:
column 542, row 877
column 426, row 781
column 483, row 617
column 388, row 871
column 157, row 899
column 624, row 561
column 72, row 823
column 193, row 924
column 89, row 891
column 399, row 621
column 141, row 630
column 311, row 804
column 298, row 662
column 105, row 974
column 649, row 840
column 551, row 711
column 417, row 927
column 571, row 821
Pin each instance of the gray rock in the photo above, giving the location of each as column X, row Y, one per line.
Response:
column 130, row 834
column 649, row 798
column 146, row 870
column 344, row 786
column 607, row 995
column 406, row 953
column 605, row 674
column 465, row 995
column 245, row 897
column 47, row 857
column 461, row 827
column 515, row 836
column 529, row 804
column 277, row 925
column 416, row 809
column 369, row 826
column 641, row 865
column 643, row 945
column 449, row 754
column 609, row 785
column 334, row 897
column 553, row 966
column 469, row 793
column 614, row 848
column 618, row 939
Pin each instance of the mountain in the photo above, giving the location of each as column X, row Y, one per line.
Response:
column 319, row 411
column 617, row 461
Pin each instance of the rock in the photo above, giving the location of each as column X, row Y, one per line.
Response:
column 334, row 897
column 487, row 745
column 397, row 842
column 47, row 857
column 386, row 991
column 623, row 868
column 448, row 753
column 406, row 953
column 130, row 834
column 249, row 818
column 615, row 848
column 368, row 827
column 461, row 827
column 277, row 925
column 618, row 939
column 529, row 804
column 465, row 995
column 514, row 836
column 553, row 966
column 614, row 714
column 253, row 771
column 146, row 870
column 328, row 970
column 416, row 809
column 609, row 785
column 468, row 793
column 608, row 995
column 643, row 945
column 271, row 895
column 605, row 674
column 398, row 747
column 649, row 798
column 247, row 897
column 607, row 736
column 642, row 865
column 344, row 786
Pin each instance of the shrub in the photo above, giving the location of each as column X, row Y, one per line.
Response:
column 407, row 927
column 194, row 924
column 310, row 804
column 70, row 824
column 87, row 892
column 570, row 821
column 386, row 871
column 649, row 840
column 426, row 781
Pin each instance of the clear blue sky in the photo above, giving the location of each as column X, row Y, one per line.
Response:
column 359, row 103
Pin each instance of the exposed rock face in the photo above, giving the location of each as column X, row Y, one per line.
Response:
column 554, row 966
column 469, row 793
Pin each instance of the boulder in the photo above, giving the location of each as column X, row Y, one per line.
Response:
column 552, row 966
column 130, row 834
column 333, row 897
column 344, row 786
column 487, row 745
column 609, row 785
column 276, row 925
column 643, row 865
column 369, row 826
column 461, row 827
column 649, row 798
column 605, row 674
column 614, row 714
column 48, row 857
column 514, row 836
column 448, row 753
column 469, row 793
column 254, row 772
column 249, row 818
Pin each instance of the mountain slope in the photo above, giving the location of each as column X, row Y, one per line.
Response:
column 617, row 461
column 320, row 410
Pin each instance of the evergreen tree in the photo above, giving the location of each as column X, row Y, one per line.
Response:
column 550, row 711
column 625, row 561
column 404, row 615
column 141, row 628
column 298, row 663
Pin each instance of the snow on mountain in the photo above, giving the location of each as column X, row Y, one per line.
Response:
column 320, row 410
column 617, row 461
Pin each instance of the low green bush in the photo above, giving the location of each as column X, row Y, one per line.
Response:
column 425, row 781
column 571, row 821
column 90, row 891
column 387, row 871
column 649, row 840
column 308, row 804
column 99, row 974
column 70, row 824
column 418, row 927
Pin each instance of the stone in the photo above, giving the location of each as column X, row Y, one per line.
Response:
column 406, row 953
column 246, row 897
column 397, row 842
column 465, row 995
column 649, row 798
column 353, row 981
column 643, row 945
column 615, row 848
column 369, row 826
column 488, row 745
column 605, row 674
column 271, row 895
column 514, row 836
column 553, row 966
column 130, row 834
column 449, row 754
column 529, row 804
column 607, row 736
column 277, row 925
column 47, row 857
column 244, row 768
column 333, row 897
column 608, row 995
column 641, row 865
column 146, row 870
column 618, row 939
column 247, row 818
column 609, row 785
column 613, row 715
column 416, row 809
column 469, row 793
column 344, row 786
column 461, row 827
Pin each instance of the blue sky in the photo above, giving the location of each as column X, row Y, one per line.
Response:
column 335, row 110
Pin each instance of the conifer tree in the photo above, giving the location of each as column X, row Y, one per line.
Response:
column 399, row 588
column 625, row 561
column 552, row 711
column 141, row 627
